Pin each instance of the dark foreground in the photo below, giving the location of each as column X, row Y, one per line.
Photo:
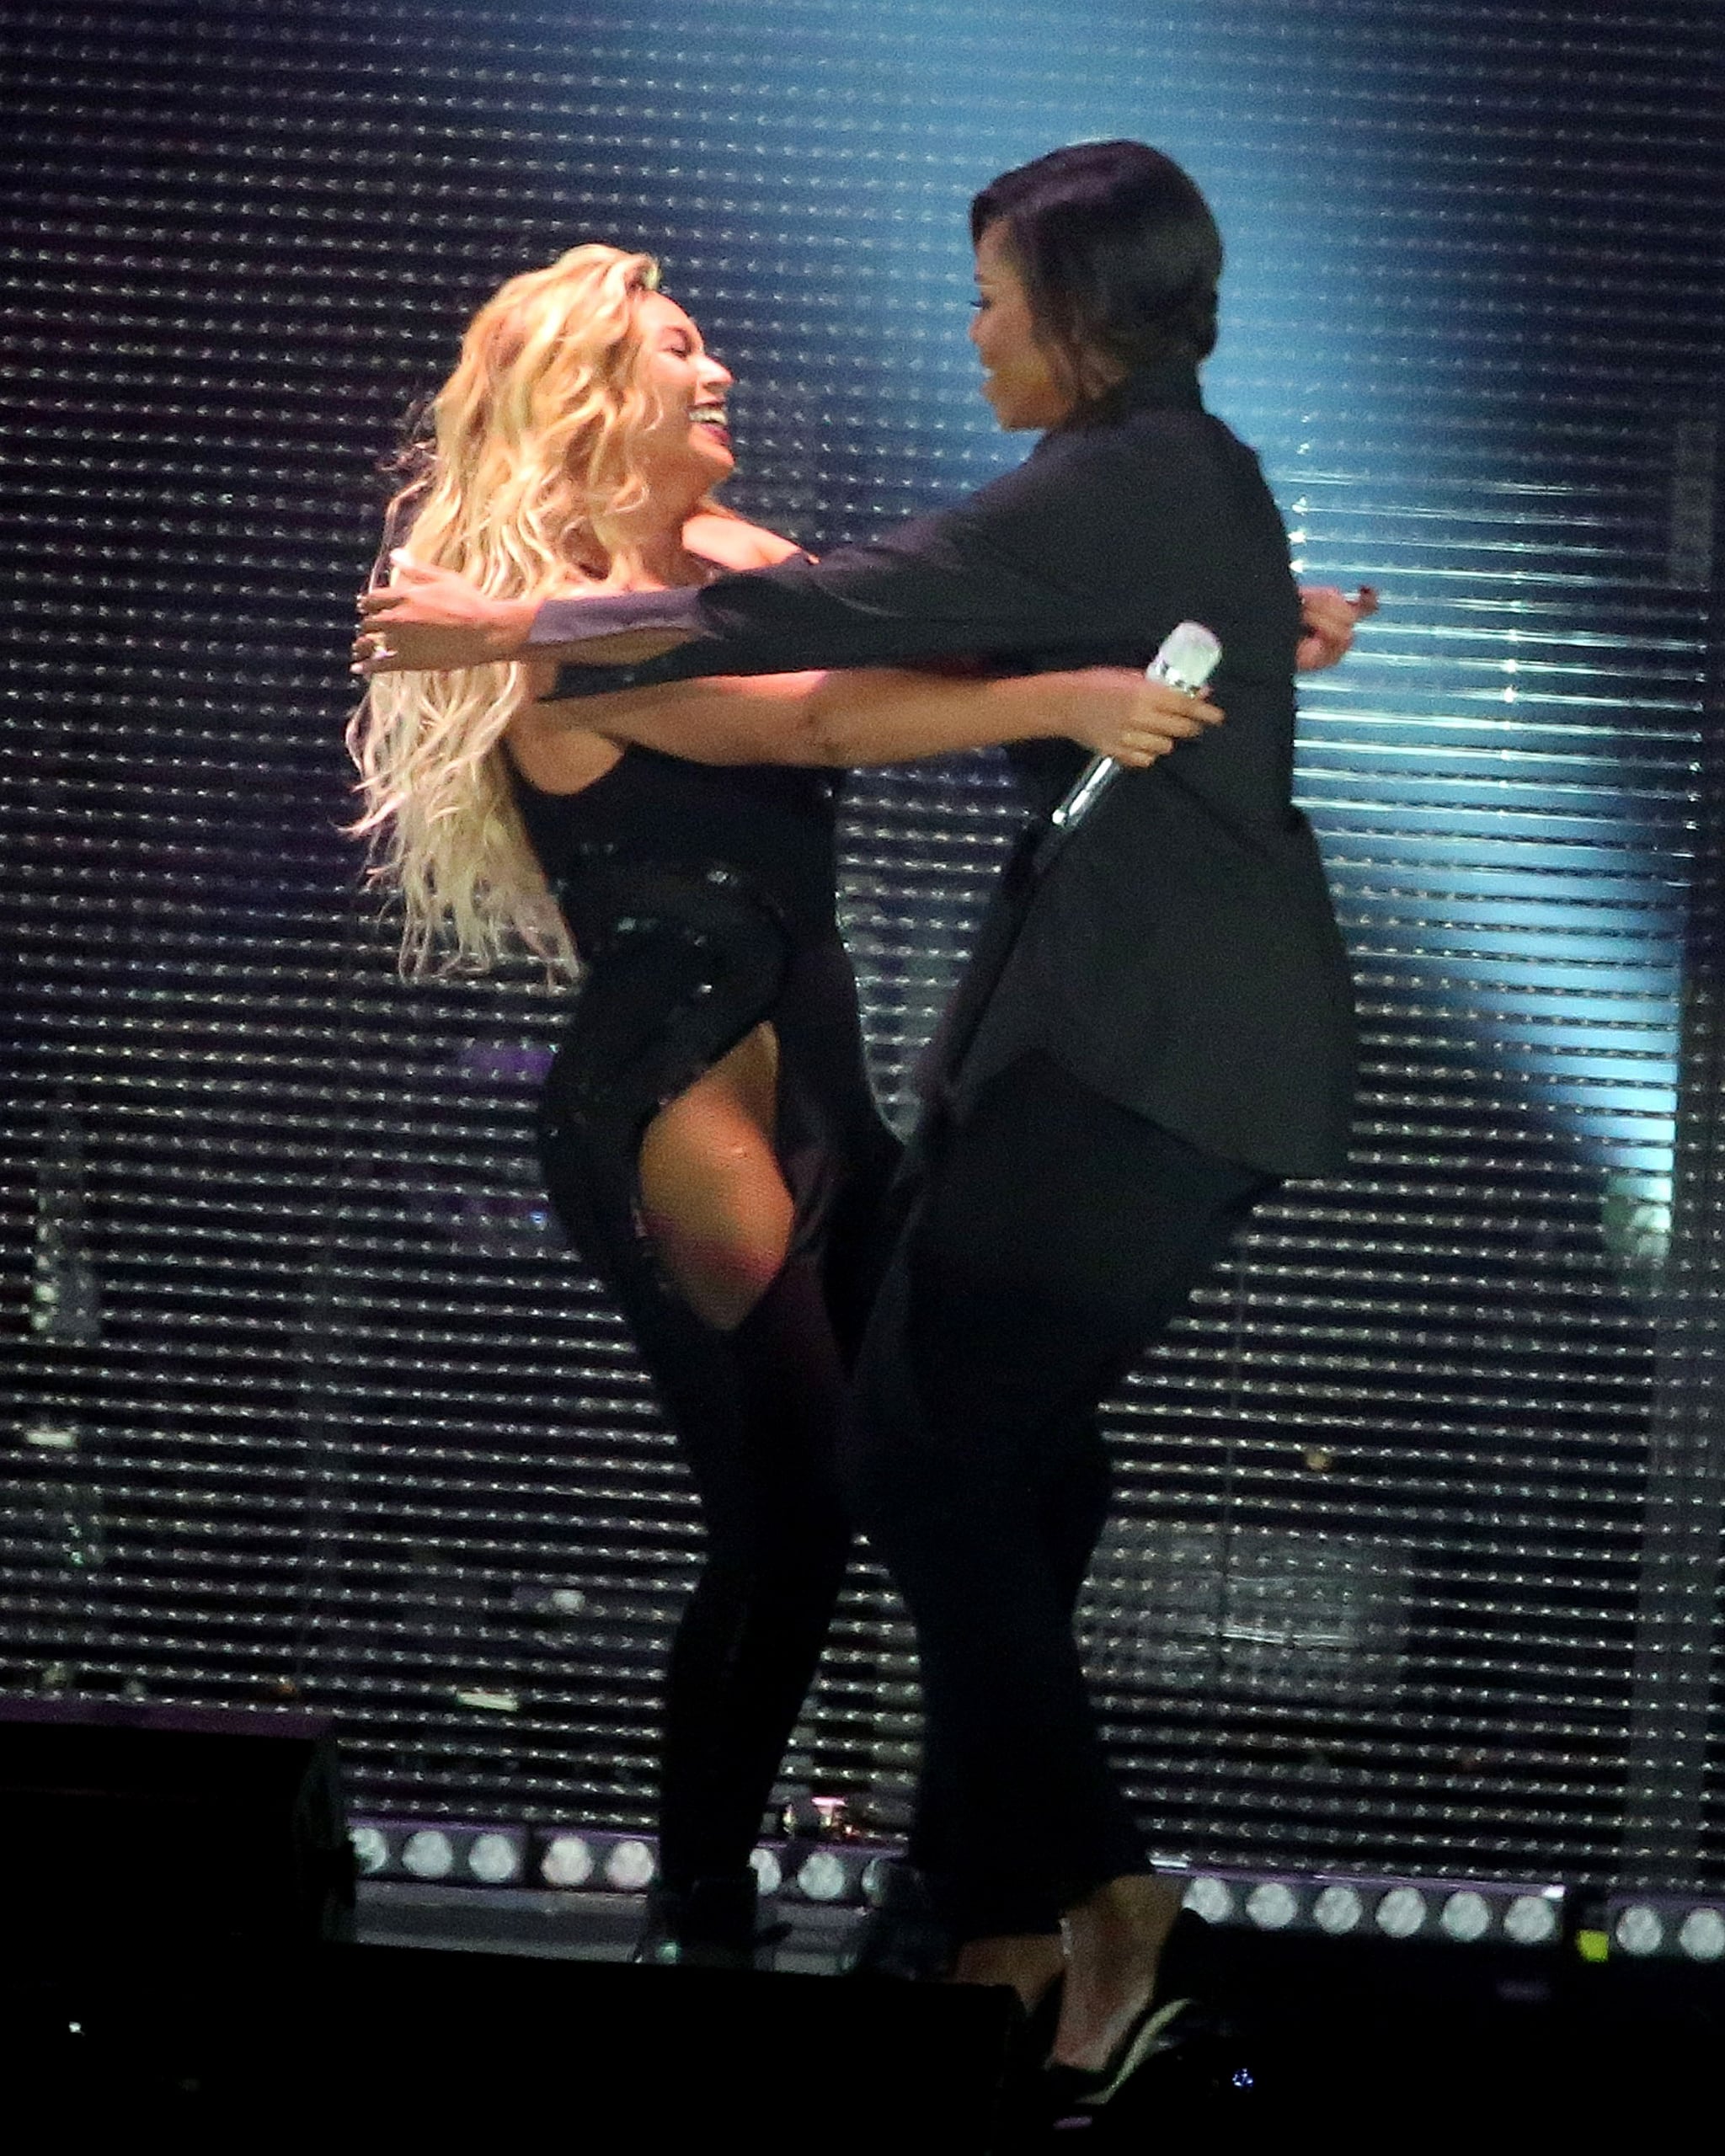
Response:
column 435, row 2045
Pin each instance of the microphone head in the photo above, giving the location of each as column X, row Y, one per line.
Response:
column 1188, row 657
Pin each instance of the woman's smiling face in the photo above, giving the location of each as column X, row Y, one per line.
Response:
column 690, row 385
column 1026, row 384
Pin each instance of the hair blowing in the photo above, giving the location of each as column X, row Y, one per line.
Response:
column 1119, row 255
column 527, row 471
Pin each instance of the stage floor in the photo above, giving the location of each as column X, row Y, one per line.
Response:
column 586, row 1927
column 1365, row 2029
column 464, row 2015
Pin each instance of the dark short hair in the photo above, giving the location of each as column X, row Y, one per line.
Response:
column 1119, row 254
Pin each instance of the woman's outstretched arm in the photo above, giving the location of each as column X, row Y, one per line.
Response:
column 874, row 717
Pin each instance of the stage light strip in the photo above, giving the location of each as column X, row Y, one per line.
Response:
column 851, row 1871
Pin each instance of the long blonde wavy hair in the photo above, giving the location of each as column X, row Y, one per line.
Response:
column 526, row 480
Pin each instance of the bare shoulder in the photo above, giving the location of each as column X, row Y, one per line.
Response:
column 734, row 543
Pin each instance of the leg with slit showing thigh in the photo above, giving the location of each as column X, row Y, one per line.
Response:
column 722, row 1221
column 691, row 1232
column 712, row 1198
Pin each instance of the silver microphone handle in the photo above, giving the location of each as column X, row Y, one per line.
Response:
column 1098, row 775
column 1187, row 659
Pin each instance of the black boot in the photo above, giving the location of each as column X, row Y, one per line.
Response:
column 903, row 1935
column 750, row 1636
column 709, row 1925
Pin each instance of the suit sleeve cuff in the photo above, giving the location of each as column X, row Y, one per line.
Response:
column 575, row 620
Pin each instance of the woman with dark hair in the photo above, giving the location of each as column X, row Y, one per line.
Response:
column 1156, row 1030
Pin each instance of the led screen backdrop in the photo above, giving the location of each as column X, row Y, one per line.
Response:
column 1418, row 1549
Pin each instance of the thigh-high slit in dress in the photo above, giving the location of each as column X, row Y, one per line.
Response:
column 701, row 900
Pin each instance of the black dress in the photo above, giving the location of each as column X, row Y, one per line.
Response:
column 701, row 900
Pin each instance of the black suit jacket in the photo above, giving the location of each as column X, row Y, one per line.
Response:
column 1181, row 956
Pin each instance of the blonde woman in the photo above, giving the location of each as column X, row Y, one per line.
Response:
column 709, row 1139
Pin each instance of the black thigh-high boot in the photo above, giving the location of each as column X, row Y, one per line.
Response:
column 755, row 1412
column 750, row 1637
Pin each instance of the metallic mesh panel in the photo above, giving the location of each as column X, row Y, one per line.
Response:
column 1418, row 1553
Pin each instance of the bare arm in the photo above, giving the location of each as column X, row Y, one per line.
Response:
column 877, row 717
column 891, row 717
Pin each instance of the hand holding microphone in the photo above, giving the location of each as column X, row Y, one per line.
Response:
column 1187, row 658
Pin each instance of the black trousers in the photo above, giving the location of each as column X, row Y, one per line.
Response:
column 1050, row 1235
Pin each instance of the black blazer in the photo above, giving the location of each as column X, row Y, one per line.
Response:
column 1181, row 956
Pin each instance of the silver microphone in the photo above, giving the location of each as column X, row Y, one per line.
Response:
column 1187, row 659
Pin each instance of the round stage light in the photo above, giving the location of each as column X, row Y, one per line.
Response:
column 1466, row 1916
column 1212, row 1899
column 1271, row 1906
column 428, row 1854
column 876, row 1873
column 370, row 1847
column 1702, row 1935
column 822, row 1876
column 1401, row 1912
column 568, row 1862
column 1531, row 1920
column 493, row 1858
column 630, row 1867
column 1339, row 1909
column 769, row 1872
column 1638, row 1929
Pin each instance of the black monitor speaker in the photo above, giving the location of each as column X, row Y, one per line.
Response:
column 156, row 1828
